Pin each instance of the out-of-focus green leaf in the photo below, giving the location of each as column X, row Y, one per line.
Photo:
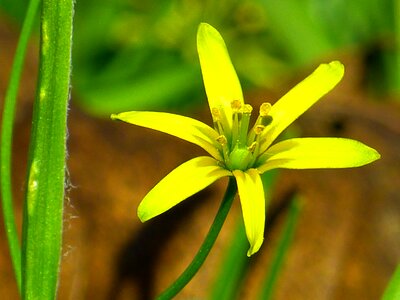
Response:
column 284, row 243
column 14, row 8
column 392, row 291
column 119, row 42
column 163, row 88
column 392, row 62
column 233, row 267
column 300, row 36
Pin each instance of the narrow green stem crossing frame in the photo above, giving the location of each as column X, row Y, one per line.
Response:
column 6, row 139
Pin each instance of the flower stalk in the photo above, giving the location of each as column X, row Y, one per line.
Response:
column 206, row 247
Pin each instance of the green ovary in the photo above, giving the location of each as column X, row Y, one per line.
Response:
column 239, row 159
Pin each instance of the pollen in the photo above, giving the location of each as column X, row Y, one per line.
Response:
column 236, row 105
column 265, row 108
column 258, row 129
column 252, row 147
column 216, row 113
column 247, row 109
column 222, row 140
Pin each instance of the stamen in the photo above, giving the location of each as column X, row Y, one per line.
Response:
column 244, row 125
column 236, row 121
column 265, row 108
column 266, row 120
column 247, row 109
column 258, row 129
column 222, row 140
column 225, row 151
column 216, row 114
column 255, row 146
column 236, row 105
column 252, row 147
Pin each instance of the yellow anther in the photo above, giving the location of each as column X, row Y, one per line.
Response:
column 216, row 113
column 236, row 105
column 222, row 140
column 258, row 129
column 247, row 109
column 252, row 147
column 265, row 109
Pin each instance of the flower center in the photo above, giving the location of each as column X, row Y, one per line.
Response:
column 239, row 145
column 239, row 159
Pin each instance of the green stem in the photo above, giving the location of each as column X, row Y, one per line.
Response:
column 43, row 213
column 6, row 139
column 205, row 248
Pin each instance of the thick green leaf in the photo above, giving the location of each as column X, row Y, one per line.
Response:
column 43, row 215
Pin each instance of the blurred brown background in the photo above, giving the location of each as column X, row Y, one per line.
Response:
column 347, row 242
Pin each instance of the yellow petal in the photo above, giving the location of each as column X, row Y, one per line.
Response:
column 188, row 129
column 300, row 98
column 316, row 153
column 252, row 199
column 220, row 79
column 184, row 181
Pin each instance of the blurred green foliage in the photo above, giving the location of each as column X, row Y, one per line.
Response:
column 139, row 55
column 15, row 9
column 392, row 291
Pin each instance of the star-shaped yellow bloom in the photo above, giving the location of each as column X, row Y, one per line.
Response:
column 235, row 148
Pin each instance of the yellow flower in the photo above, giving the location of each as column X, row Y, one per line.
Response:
column 235, row 148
